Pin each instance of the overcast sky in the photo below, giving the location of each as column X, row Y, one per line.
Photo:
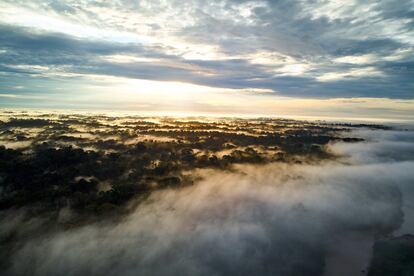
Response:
column 282, row 57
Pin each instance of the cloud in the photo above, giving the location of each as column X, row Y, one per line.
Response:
column 383, row 146
column 292, row 47
column 354, row 73
column 275, row 219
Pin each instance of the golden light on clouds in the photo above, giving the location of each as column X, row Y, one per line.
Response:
column 173, row 97
column 225, row 57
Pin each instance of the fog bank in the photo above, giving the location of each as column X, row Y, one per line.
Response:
column 275, row 219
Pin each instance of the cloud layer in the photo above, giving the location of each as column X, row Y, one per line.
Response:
column 276, row 219
column 312, row 49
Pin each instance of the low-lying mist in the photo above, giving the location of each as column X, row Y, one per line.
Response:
column 272, row 219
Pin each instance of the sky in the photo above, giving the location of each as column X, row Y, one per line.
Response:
column 338, row 59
